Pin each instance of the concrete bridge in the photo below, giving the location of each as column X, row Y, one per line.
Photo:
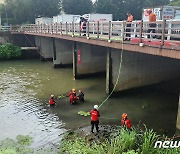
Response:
column 101, row 47
column 97, row 48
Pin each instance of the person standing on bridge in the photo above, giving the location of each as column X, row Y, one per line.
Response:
column 128, row 26
column 152, row 23
column 125, row 121
column 94, row 118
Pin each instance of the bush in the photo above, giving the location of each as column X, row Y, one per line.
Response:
column 9, row 51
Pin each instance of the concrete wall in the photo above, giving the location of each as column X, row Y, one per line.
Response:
column 4, row 37
column 23, row 40
column 178, row 117
column 63, row 53
column 92, row 59
column 45, row 45
column 142, row 69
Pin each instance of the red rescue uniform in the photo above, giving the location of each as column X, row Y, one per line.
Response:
column 126, row 123
column 72, row 97
column 51, row 102
column 94, row 115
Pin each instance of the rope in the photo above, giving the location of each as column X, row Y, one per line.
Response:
column 36, row 49
column 119, row 72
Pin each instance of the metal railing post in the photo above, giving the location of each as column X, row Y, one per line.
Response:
column 61, row 28
column 88, row 29
column 123, row 29
column 72, row 28
column 98, row 29
column 163, row 32
column 109, row 30
column 80, row 28
column 66, row 29
column 140, row 31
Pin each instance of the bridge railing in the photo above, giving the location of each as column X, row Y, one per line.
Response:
column 4, row 28
column 136, row 31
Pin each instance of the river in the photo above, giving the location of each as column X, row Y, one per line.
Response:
column 26, row 85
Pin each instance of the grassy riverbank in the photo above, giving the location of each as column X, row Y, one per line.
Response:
column 121, row 142
column 9, row 51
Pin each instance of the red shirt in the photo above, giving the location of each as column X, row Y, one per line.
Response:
column 126, row 123
column 51, row 102
column 94, row 115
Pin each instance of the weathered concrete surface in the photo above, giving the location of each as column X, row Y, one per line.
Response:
column 46, row 46
column 91, row 59
column 63, row 53
column 142, row 69
column 23, row 40
column 4, row 37
column 178, row 118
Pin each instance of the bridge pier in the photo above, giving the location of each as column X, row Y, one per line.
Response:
column 178, row 118
column 45, row 45
column 139, row 69
column 88, row 59
column 108, row 72
column 62, row 53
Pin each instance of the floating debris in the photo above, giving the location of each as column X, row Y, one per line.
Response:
column 83, row 113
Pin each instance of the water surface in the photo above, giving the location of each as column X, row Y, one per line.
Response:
column 25, row 87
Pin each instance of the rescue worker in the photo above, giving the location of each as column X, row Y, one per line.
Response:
column 128, row 26
column 72, row 96
column 52, row 101
column 125, row 121
column 80, row 96
column 94, row 118
column 152, row 24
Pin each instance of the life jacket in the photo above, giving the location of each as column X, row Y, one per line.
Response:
column 94, row 115
column 51, row 102
column 126, row 123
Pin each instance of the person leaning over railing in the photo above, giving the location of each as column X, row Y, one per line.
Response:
column 152, row 24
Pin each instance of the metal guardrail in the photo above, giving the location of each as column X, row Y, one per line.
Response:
column 165, row 31
column 5, row 28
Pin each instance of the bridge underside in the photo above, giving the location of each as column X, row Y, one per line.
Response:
column 139, row 69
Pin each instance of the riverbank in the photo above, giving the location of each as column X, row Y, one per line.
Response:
column 115, row 140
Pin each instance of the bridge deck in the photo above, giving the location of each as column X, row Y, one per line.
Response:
column 111, row 34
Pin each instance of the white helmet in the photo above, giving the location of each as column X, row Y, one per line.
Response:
column 96, row 107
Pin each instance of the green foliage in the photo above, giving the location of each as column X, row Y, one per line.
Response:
column 24, row 140
column 83, row 113
column 9, row 146
column 175, row 3
column 119, row 8
column 9, row 51
column 77, row 6
column 23, row 11
column 123, row 141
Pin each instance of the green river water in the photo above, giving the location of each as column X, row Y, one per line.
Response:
column 26, row 85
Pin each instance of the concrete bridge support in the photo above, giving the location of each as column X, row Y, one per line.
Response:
column 63, row 55
column 178, row 118
column 45, row 45
column 88, row 59
column 140, row 69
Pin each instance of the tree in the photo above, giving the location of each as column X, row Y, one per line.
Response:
column 175, row 3
column 22, row 11
column 119, row 8
column 77, row 6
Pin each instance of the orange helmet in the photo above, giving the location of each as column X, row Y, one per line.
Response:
column 124, row 115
